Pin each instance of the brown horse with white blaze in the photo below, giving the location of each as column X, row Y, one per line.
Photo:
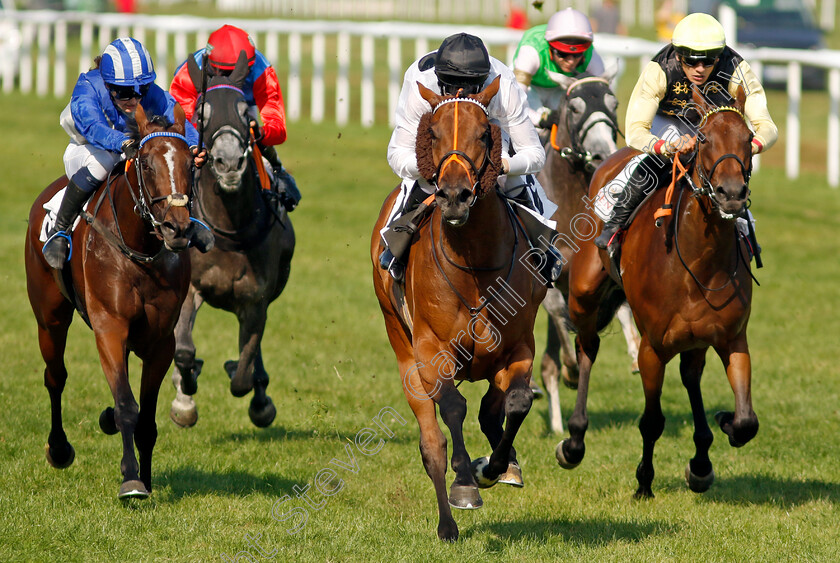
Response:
column 468, row 306
column 128, row 275
column 689, row 285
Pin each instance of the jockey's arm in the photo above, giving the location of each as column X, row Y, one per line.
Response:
column 411, row 106
column 755, row 107
column 184, row 91
column 269, row 100
column 90, row 121
column 525, row 66
column 530, row 154
column 642, row 107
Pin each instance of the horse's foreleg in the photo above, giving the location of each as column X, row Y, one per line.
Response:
column 52, row 341
column 155, row 365
column 453, row 411
column 698, row 475
column 631, row 335
column 261, row 410
column 113, row 355
column 512, row 384
column 251, row 326
column 183, row 411
column 652, row 422
column 550, row 374
column 742, row 425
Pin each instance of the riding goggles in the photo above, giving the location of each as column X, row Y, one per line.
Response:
column 693, row 62
column 124, row 93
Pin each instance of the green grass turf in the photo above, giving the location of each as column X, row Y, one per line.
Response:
column 332, row 370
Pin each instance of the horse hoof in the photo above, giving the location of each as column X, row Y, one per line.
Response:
column 52, row 459
column 133, row 489
column 262, row 417
column 513, row 476
column 561, row 457
column 183, row 416
column 106, row 421
column 478, row 467
column 465, row 497
column 448, row 531
column 237, row 388
column 570, row 381
column 696, row 483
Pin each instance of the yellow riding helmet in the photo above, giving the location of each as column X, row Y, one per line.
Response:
column 698, row 36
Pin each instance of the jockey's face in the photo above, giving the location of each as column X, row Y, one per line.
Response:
column 127, row 106
column 566, row 61
column 698, row 73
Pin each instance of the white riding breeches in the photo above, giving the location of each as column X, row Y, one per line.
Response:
column 98, row 161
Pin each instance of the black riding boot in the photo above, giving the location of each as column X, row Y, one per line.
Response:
column 400, row 233
column 289, row 193
column 631, row 196
column 200, row 235
column 539, row 235
column 58, row 248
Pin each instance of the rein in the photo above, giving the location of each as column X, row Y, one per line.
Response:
column 474, row 311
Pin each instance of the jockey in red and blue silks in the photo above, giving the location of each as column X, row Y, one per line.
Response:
column 261, row 89
column 97, row 120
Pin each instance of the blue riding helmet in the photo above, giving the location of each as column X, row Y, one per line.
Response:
column 126, row 62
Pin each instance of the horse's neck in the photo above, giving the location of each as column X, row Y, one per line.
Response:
column 485, row 238
column 702, row 230
column 230, row 210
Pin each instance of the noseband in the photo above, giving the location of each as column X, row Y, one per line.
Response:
column 459, row 157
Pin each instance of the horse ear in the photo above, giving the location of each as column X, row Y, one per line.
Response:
column 740, row 98
column 561, row 79
column 180, row 118
column 196, row 74
column 487, row 94
column 240, row 71
column 141, row 119
column 428, row 95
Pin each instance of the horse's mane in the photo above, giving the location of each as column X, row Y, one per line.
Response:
column 428, row 169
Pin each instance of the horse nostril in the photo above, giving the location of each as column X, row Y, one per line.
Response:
column 744, row 192
column 464, row 195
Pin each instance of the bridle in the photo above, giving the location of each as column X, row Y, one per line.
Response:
column 459, row 157
column 143, row 202
column 245, row 144
column 141, row 205
column 706, row 187
column 576, row 153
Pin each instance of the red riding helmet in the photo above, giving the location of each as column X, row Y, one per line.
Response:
column 224, row 45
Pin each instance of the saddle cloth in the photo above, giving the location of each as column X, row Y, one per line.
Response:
column 51, row 207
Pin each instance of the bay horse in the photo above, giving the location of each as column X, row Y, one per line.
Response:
column 468, row 262
column 583, row 134
column 249, row 265
column 127, row 275
column 689, row 285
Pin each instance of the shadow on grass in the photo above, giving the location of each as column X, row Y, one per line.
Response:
column 188, row 481
column 597, row 531
column 278, row 433
column 772, row 490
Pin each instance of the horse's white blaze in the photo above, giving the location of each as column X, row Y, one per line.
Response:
column 170, row 162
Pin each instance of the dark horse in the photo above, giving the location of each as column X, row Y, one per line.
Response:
column 689, row 284
column 468, row 262
column 249, row 265
column 583, row 135
column 127, row 279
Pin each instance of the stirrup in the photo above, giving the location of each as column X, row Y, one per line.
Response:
column 202, row 239
column 387, row 261
column 553, row 266
column 57, row 256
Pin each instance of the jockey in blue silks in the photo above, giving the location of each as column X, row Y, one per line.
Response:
column 98, row 120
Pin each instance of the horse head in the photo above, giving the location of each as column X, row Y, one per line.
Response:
column 588, row 113
column 222, row 116
column 723, row 160
column 459, row 150
column 163, row 176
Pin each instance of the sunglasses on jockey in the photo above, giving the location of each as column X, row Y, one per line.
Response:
column 694, row 62
column 125, row 93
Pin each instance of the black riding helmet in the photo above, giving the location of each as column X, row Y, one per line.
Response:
column 462, row 61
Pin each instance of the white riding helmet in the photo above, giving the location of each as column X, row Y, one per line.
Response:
column 569, row 31
column 698, row 35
